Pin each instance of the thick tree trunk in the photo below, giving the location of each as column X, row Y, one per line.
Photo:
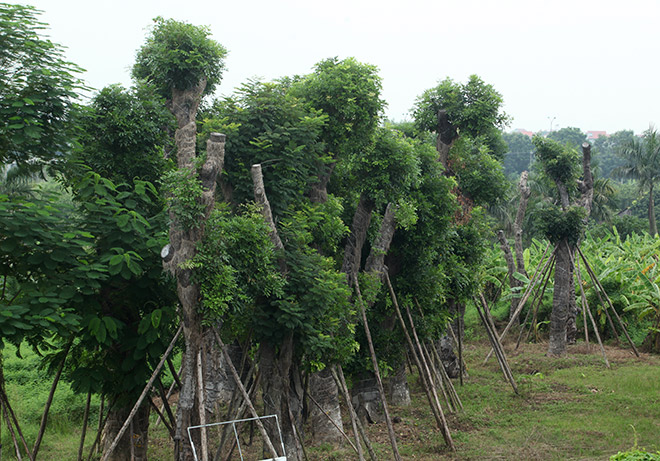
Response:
column 137, row 436
column 181, row 249
column 561, row 300
column 355, row 242
column 398, row 391
column 323, row 389
column 564, row 306
column 282, row 395
column 449, row 354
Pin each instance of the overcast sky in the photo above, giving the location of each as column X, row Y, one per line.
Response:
column 584, row 63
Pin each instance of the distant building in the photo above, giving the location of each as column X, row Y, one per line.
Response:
column 525, row 132
column 593, row 135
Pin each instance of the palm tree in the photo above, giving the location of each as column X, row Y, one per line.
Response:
column 642, row 163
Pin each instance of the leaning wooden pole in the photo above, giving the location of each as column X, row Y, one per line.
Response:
column 593, row 322
column 84, row 428
column 17, row 449
column 49, row 402
column 146, row 389
column 526, row 296
column 374, row 361
column 497, row 345
column 445, row 428
column 584, row 308
column 424, row 373
column 597, row 282
column 244, row 393
column 9, row 412
column 340, row 380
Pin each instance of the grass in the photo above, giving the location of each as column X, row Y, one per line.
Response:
column 567, row 408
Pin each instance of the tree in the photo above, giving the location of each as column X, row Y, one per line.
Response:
column 605, row 148
column 37, row 91
column 519, row 155
column 642, row 163
column 183, row 64
column 123, row 134
column 127, row 322
column 563, row 222
column 569, row 136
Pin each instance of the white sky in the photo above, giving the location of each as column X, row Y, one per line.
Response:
column 587, row 63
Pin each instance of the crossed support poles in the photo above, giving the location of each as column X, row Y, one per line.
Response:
column 537, row 287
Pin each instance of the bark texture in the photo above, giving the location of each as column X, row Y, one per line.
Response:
column 137, row 435
column 323, row 389
column 353, row 251
column 182, row 248
column 447, row 134
column 564, row 305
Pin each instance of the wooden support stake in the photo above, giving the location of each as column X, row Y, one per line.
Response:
column 340, row 380
column 202, row 407
column 11, row 432
column 379, row 382
column 596, row 281
column 424, row 373
column 102, row 423
column 525, row 297
column 497, row 346
column 246, row 396
column 536, row 302
column 49, row 402
column 8, row 409
column 84, row 428
column 146, row 389
column 348, row 439
column 591, row 317
column 584, row 308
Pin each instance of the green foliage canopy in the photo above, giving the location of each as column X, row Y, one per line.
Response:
column 177, row 55
column 37, row 90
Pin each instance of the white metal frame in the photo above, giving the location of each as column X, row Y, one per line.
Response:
column 238, row 442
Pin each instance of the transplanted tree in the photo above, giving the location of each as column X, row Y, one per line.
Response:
column 467, row 119
column 563, row 222
column 642, row 163
column 184, row 64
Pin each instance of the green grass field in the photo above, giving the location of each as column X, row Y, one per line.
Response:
column 567, row 408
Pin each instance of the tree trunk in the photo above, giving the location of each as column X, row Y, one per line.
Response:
column 653, row 230
column 282, row 395
column 182, row 248
column 355, row 242
column 560, row 300
column 511, row 270
column 397, row 387
column 447, row 134
column 525, row 193
column 323, row 389
column 448, row 353
column 138, row 436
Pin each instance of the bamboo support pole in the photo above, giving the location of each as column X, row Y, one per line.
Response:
column 525, row 297
column 596, row 281
column 497, row 346
column 424, row 373
column 146, row 389
column 583, row 300
column 202, row 407
column 49, row 402
column 436, row 379
column 12, row 417
column 102, row 423
column 536, row 303
column 374, row 361
column 160, row 414
column 246, row 397
column 591, row 317
column 360, row 432
column 348, row 439
column 17, row 449
column 84, row 428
